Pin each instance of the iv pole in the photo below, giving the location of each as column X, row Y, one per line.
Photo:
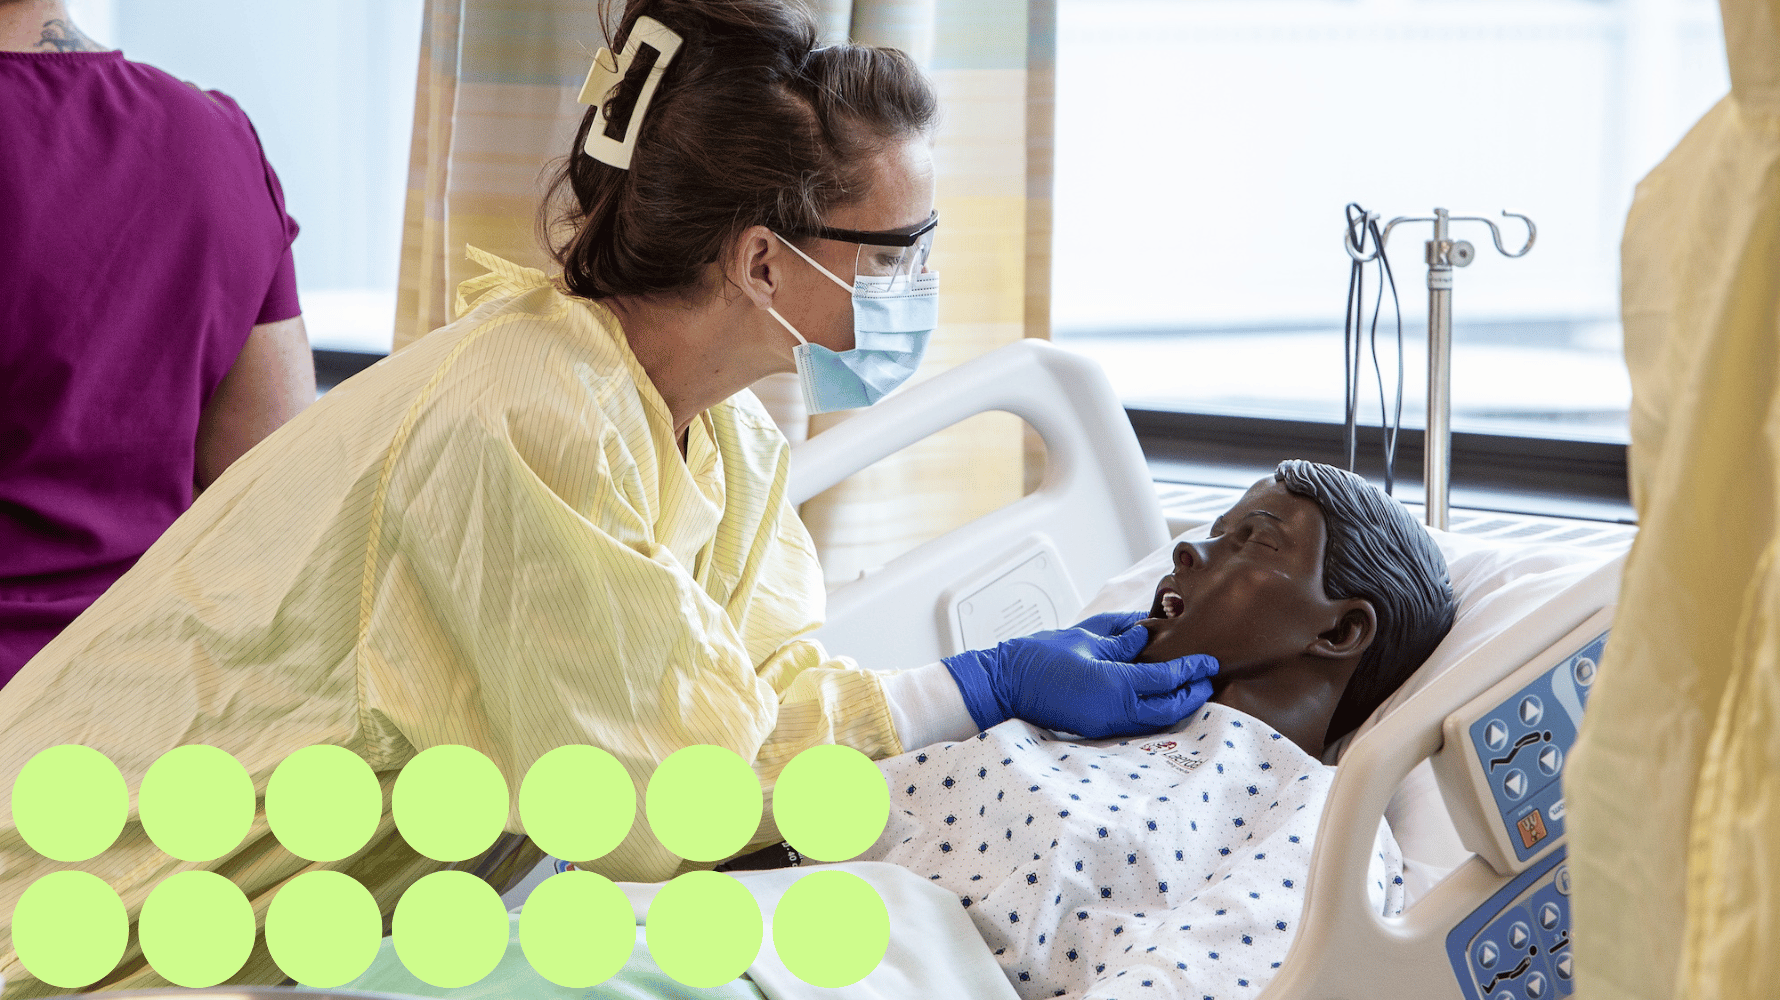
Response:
column 1442, row 254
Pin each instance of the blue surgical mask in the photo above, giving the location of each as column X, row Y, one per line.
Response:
column 893, row 316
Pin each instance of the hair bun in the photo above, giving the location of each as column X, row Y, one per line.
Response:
column 752, row 123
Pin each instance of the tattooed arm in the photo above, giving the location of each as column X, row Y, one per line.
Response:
column 41, row 26
column 60, row 35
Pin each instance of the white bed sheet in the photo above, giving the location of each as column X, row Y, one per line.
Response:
column 934, row 950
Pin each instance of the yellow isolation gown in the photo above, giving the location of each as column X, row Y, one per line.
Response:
column 1674, row 787
column 489, row 539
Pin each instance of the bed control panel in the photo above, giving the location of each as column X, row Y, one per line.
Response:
column 1505, row 751
column 1517, row 945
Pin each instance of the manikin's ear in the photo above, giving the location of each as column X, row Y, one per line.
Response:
column 1356, row 625
column 755, row 264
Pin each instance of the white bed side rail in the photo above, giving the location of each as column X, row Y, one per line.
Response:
column 1344, row 949
column 1095, row 508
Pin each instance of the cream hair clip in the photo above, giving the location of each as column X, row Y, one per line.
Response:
column 653, row 42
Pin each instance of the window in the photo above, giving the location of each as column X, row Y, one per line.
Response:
column 1206, row 148
column 329, row 85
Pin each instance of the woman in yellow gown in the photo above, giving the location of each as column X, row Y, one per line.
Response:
column 562, row 518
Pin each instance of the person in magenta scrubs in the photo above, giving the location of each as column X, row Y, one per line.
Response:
column 149, row 327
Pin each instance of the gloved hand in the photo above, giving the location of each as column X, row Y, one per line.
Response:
column 1076, row 681
column 1110, row 623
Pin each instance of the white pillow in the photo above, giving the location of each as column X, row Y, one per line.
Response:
column 1497, row 584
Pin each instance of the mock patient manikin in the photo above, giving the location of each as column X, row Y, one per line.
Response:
column 1174, row 865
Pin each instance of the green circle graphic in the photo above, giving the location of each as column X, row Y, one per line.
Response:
column 831, row 802
column 450, row 929
column 704, row 802
column 703, row 928
column 323, row 928
column 831, row 928
column 69, row 802
column 323, row 802
column 196, row 802
column 577, row 802
column 450, row 802
column 577, row 929
column 69, row 929
column 196, row 929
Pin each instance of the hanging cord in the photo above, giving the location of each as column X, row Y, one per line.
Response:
column 1360, row 225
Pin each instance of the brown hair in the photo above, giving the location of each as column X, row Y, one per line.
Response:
column 1377, row 552
column 751, row 124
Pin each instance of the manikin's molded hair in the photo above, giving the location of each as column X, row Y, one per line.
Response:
column 1376, row 551
column 753, row 123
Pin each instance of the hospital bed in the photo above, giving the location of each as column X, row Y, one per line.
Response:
column 1463, row 762
column 1492, row 714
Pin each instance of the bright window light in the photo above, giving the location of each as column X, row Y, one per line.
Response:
column 1206, row 148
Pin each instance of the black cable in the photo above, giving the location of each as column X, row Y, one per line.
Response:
column 1356, row 234
column 1390, row 440
column 1354, row 337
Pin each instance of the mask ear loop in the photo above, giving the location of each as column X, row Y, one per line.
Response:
column 774, row 313
column 829, row 274
column 847, row 286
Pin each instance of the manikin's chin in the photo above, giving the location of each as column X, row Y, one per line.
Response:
column 1161, row 631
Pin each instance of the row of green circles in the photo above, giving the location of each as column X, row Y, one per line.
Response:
column 450, row 802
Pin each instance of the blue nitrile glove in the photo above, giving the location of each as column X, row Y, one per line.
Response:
column 1075, row 681
column 1110, row 623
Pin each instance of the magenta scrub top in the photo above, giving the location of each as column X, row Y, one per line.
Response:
column 142, row 234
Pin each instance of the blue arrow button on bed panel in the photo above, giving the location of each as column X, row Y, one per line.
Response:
column 1495, row 735
column 1565, row 966
column 1519, row 935
column 1488, row 955
column 1515, row 784
column 1531, row 710
column 1550, row 914
column 1550, row 759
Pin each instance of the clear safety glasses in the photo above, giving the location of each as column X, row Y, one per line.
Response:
column 894, row 258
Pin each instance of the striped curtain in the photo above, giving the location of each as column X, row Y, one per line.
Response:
column 496, row 104
column 991, row 61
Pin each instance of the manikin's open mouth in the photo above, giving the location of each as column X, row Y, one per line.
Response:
column 1172, row 603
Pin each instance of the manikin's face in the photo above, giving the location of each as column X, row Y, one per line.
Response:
column 900, row 200
column 1252, row 594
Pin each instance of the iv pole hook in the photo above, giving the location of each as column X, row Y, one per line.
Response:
column 1353, row 251
column 1443, row 254
column 1384, row 236
column 1496, row 234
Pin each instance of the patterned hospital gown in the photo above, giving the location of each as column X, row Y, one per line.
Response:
column 1164, row 866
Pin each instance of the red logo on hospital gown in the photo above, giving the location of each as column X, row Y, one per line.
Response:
column 1177, row 759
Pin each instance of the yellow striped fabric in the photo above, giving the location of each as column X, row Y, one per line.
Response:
column 1673, row 788
column 489, row 539
column 495, row 104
